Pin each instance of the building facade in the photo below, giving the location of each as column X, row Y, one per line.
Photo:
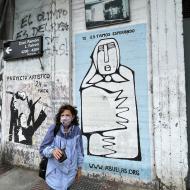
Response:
column 122, row 64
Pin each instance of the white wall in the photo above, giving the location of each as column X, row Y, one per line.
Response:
column 167, row 97
column 45, row 79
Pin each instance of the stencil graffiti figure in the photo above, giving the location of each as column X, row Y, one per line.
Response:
column 108, row 105
column 31, row 106
column 13, row 120
column 22, row 122
column 26, row 131
column 13, row 130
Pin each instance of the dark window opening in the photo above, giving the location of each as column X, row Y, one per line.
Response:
column 186, row 8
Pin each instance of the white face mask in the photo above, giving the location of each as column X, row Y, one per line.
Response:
column 66, row 120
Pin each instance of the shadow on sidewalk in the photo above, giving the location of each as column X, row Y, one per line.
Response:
column 4, row 168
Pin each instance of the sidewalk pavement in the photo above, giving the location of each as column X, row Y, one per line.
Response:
column 17, row 178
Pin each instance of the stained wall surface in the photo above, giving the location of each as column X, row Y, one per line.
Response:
column 111, row 90
column 126, row 79
column 150, row 47
column 35, row 87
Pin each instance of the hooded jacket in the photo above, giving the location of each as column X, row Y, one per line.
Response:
column 60, row 176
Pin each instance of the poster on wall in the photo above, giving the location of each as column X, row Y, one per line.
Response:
column 111, row 92
column 29, row 105
column 106, row 12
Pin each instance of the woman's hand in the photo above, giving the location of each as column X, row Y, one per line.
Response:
column 78, row 175
column 57, row 153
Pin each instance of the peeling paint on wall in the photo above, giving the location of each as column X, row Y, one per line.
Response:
column 169, row 94
column 36, row 87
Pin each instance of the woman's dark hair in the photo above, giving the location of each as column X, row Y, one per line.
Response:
column 73, row 111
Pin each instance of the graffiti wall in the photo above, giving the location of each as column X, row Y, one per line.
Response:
column 29, row 103
column 112, row 95
column 36, row 87
column 49, row 19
